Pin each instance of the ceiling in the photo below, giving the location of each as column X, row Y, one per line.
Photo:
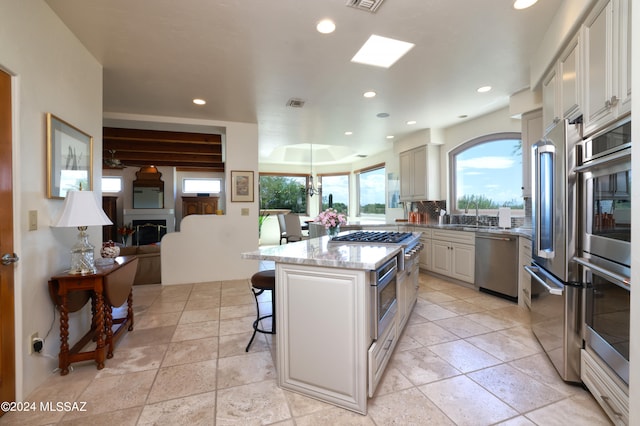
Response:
column 248, row 58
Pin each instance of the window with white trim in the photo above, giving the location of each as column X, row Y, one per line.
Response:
column 201, row 185
column 111, row 184
column 487, row 172
column 335, row 187
column 371, row 191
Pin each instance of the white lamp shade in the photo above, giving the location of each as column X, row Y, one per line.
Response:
column 81, row 209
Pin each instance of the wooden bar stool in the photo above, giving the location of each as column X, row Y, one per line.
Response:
column 261, row 281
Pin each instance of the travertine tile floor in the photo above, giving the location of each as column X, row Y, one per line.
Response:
column 465, row 358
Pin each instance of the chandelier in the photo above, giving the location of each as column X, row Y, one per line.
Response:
column 311, row 188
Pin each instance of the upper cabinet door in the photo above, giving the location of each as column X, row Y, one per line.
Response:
column 531, row 133
column 550, row 114
column 569, row 73
column 598, row 49
column 624, row 49
column 419, row 173
column 406, row 176
column 607, row 81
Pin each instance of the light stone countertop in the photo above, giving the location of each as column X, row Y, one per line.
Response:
column 520, row 232
column 317, row 252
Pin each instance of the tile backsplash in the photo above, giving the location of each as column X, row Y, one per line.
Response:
column 430, row 211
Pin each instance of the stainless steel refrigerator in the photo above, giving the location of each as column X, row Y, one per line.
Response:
column 556, row 289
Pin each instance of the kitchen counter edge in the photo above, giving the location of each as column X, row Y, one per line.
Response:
column 317, row 252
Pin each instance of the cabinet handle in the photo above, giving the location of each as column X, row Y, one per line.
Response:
column 611, row 407
column 614, row 100
column 388, row 345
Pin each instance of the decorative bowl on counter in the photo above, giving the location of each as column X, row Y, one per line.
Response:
column 110, row 250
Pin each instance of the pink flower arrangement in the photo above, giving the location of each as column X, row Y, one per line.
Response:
column 330, row 218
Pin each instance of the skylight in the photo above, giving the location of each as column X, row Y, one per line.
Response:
column 381, row 51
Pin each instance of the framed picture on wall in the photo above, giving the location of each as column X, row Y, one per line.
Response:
column 241, row 186
column 69, row 158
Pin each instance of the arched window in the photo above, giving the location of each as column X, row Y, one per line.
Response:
column 487, row 172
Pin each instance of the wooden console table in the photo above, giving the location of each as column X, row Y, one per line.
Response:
column 71, row 292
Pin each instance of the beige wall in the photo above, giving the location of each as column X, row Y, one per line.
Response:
column 53, row 73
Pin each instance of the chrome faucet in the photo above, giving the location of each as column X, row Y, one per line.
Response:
column 466, row 210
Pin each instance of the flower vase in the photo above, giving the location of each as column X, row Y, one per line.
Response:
column 124, row 240
column 332, row 231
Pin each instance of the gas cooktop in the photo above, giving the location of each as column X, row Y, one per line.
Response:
column 375, row 237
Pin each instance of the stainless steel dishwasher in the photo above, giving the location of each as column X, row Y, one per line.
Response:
column 496, row 270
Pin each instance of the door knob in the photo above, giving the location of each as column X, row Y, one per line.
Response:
column 9, row 258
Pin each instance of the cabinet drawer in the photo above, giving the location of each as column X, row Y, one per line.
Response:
column 612, row 396
column 426, row 232
column 454, row 236
column 379, row 354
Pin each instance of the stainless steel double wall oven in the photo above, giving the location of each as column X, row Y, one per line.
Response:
column 580, row 291
column 605, row 244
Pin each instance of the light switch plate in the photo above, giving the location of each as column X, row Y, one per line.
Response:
column 244, row 212
column 33, row 220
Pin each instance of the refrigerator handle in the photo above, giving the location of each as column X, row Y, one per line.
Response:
column 544, row 172
column 532, row 270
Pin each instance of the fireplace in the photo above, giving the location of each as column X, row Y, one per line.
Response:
column 148, row 231
column 162, row 221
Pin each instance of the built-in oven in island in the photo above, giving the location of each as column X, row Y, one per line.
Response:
column 384, row 297
column 393, row 292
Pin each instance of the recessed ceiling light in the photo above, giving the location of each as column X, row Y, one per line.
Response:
column 381, row 51
column 390, row 137
column 348, row 133
column 523, row 4
column 326, row 26
column 484, row 89
column 369, row 94
column 411, row 122
column 382, row 114
column 199, row 101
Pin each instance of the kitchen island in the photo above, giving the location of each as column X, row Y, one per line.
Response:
column 323, row 311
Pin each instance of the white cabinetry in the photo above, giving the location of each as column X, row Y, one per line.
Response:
column 524, row 279
column 419, row 171
column 570, row 84
column 323, row 352
column 607, row 63
column 454, row 254
column 407, row 291
column 379, row 355
column 561, row 88
column 549, row 99
column 531, row 133
column 426, row 253
column 611, row 393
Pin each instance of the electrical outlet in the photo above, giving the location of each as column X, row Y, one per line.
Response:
column 32, row 341
column 33, row 220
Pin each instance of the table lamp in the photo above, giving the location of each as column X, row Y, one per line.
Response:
column 81, row 210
